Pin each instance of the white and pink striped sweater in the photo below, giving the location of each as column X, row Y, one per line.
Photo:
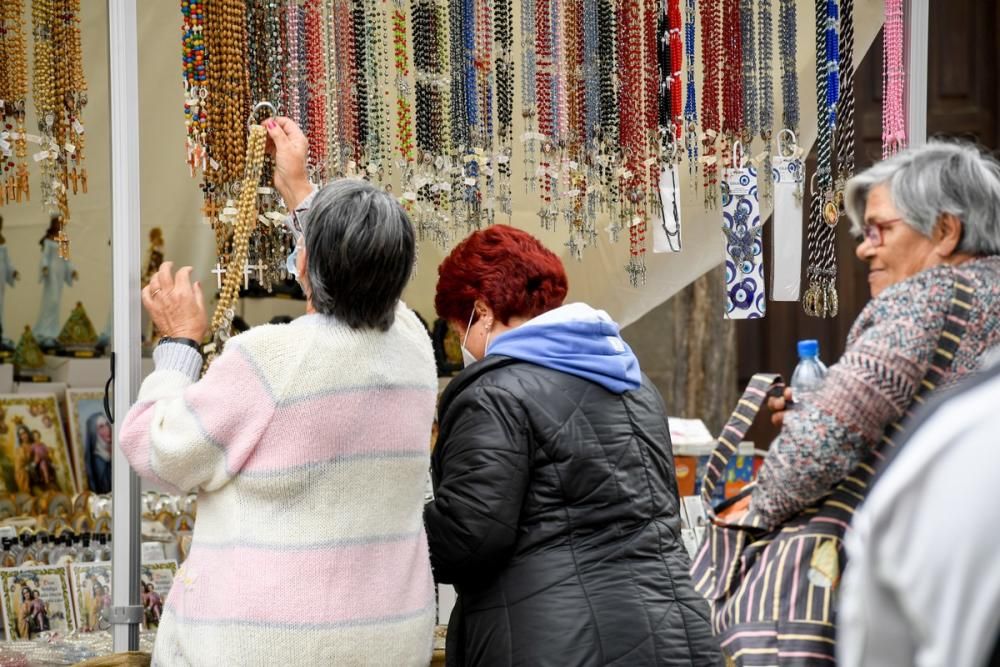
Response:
column 308, row 444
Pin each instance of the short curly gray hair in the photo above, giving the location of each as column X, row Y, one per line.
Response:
column 939, row 177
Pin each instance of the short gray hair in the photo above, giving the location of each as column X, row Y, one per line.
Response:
column 361, row 249
column 939, row 177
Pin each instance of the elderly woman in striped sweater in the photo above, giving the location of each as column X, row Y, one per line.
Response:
column 308, row 444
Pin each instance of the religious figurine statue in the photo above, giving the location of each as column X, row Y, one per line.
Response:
column 78, row 337
column 28, row 356
column 55, row 272
column 104, row 340
column 8, row 275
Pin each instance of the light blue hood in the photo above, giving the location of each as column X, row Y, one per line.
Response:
column 574, row 339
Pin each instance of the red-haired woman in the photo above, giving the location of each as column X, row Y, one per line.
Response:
column 555, row 512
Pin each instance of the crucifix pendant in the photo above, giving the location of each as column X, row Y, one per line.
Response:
column 218, row 271
column 636, row 270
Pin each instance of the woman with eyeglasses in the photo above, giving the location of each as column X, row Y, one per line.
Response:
column 921, row 217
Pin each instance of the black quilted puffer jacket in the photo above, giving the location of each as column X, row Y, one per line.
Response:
column 556, row 519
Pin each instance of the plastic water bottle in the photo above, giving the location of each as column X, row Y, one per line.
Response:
column 810, row 371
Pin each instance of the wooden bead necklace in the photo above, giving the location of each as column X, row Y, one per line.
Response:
column 244, row 222
column 711, row 47
column 316, row 87
column 14, row 94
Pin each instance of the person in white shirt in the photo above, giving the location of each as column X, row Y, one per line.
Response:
column 922, row 585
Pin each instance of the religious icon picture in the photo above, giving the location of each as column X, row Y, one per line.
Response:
column 36, row 600
column 156, row 579
column 90, row 433
column 34, row 458
column 92, row 595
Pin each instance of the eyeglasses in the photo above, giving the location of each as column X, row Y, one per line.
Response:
column 873, row 231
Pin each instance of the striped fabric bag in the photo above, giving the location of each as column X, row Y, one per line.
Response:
column 773, row 593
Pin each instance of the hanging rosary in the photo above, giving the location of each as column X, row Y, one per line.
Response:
column 316, row 82
column 765, row 79
column 690, row 102
column 332, row 168
column 639, row 110
column 60, row 93
column 711, row 123
column 787, row 45
column 244, row 222
column 270, row 242
column 504, row 74
column 893, row 80
column 732, row 82
column 820, row 299
column 750, row 91
column 195, row 90
column 13, row 104
column 788, row 169
column 670, row 59
column 845, row 105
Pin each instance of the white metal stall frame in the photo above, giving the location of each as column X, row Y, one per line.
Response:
column 123, row 55
column 124, row 85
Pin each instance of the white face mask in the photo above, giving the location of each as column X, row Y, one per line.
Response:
column 291, row 263
column 467, row 358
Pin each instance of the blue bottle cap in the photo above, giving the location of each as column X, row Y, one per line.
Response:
column 808, row 348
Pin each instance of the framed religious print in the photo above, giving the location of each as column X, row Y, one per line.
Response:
column 36, row 600
column 156, row 579
column 34, row 458
column 91, row 595
column 90, row 434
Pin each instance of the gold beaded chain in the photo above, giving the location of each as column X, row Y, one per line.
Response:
column 13, row 102
column 44, row 84
column 74, row 98
column 60, row 95
column 245, row 220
